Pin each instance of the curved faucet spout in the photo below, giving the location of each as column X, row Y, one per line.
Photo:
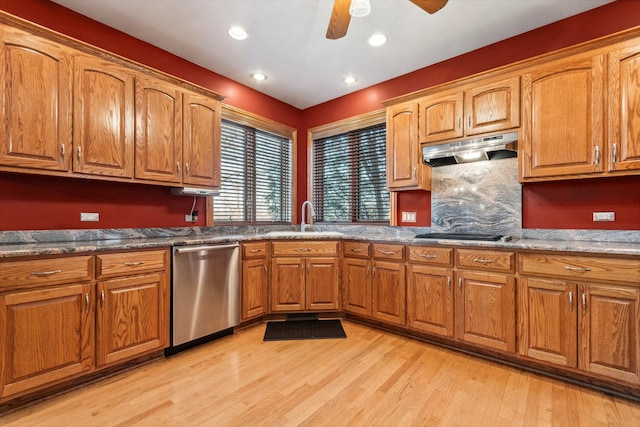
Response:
column 303, row 224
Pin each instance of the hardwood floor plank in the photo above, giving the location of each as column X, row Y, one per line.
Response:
column 370, row 378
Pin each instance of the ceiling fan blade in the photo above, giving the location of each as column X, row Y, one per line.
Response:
column 431, row 6
column 340, row 18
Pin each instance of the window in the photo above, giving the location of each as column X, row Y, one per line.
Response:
column 256, row 171
column 349, row 176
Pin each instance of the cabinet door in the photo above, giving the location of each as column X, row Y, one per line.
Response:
column 388, row 292
column 356, row 283
column 131, row 317
column 609, row 326
column 322, row 287
column 404, row 165
column 287, row 284
column 485, row 309
column 103, row 118
column 441, row 116
column 430, row 300
column 493, row 106
column 548, row 321
column 35, row 110
column 562, row 127
column 47, row 335
column 158, row 134
column 624, row 109
column 201, row 127
column 255, row 282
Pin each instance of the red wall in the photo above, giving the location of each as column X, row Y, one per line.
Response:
column 55, row 203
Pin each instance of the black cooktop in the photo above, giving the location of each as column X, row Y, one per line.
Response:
column 460, row 236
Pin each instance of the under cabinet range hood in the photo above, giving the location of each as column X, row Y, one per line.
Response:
column 486, row 148
column 191, row 191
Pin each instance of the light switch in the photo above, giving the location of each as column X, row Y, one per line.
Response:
column 89, row 216
column 408, row 217
column 604, row 216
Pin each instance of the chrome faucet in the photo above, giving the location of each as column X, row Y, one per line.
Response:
column 304, row 211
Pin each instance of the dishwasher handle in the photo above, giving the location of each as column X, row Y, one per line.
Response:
column 187, row 249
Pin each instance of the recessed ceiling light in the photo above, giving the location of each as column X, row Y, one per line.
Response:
column 238, row 33
column 259, row 76
column 377, row 40
column 350, row 80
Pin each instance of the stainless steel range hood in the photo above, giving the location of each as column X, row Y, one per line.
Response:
column 472, row 150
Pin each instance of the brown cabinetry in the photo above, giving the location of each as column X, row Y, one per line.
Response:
column 388, row 285
column 255, row 280
column 356, row 278
column 308, row 282
column 201, row 140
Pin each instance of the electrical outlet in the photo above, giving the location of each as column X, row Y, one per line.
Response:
column 408, row 217
column 89, row 216
column 188, row 218
column 604, row 216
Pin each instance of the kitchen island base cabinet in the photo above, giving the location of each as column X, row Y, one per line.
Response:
column 430, row 300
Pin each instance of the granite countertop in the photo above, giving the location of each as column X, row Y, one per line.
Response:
column 209, row 236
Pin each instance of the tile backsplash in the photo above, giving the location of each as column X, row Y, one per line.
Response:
column 482, row 197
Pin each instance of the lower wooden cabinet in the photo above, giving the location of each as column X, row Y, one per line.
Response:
column 388, row 292
column 356, row 286
column 255, row 280
column 430, row 298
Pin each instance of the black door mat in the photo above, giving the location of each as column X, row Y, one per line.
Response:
column 304, row 330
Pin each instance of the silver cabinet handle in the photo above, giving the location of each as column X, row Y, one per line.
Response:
column 615, row 153
column 86, row 302
column 414, row 173
column 597, row 155
column 265, row 268
column 186, row 168
column 356, row 250
column 585, row 269
column 368, row 271
column 483, row 261
column 133, row 263
column 570, row 301
column 428, row 256
column 255, row 251
column 79, row 154
column 459, row 123
column 460, row 284
column 62, row 152
column 469, row 122
column 584, row 303
column 373, row 274
column 304, row 249
column 387, row 252
column 102, row 299
column 45, row 273
column 449, row 283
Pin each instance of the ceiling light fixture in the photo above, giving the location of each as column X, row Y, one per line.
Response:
column 377, row 40
column 359, row 8
column 259, row 76
column 237, row 33
column 350, row 80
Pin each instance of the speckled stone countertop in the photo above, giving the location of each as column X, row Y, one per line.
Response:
column 21, row 243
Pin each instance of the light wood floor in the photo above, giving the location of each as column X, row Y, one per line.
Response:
column 372, row 378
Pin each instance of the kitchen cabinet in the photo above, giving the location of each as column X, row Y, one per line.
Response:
column 486, row 106
column 309, row 282
column 356, row 278
column 577, row 320
column 430, row 293
column 388, row 285
column 201, row 143
column 563, row 117
column 405, row 169
column 133, row 311
column 623, row 113
column 36, row 104
column 255, row 280
column 103, row 118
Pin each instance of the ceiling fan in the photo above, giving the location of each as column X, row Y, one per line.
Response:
column 344, row 9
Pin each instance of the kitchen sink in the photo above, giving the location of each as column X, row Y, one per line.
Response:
column 304, row 233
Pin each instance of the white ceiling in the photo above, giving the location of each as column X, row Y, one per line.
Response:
column 287, row 37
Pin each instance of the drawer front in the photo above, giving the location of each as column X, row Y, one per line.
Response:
column 389, row 252
column 581, row 267
column 305, row 248
column 254, row 250
column 42, row 272
column 129, row 263
column 357, row 249
column 430, row 255
column 486, row 260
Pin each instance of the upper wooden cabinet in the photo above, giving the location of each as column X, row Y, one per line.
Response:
column 103, row 118
column 562, row 127
column 405, row 169
column 201, row 140
column 481, row 107
column 35, row 110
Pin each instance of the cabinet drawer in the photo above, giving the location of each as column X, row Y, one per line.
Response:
column 129, row 263
column 390, row 252
column 357, row 249
column 430, row 255
column 486, row 260
column 254, row 250
column 581, row 267
column 305, row 248
column 47, row 271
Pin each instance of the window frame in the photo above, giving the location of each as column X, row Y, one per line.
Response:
column 338, row 127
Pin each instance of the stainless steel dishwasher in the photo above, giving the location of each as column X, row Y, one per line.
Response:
column 205, row 293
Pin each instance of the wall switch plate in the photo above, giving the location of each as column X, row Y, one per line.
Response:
column 408, row 217
column 89, row 216
column 604, row 216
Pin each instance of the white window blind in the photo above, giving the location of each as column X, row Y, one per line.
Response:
column 256, row 176
column 349, row 176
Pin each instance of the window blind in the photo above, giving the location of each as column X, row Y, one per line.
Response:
column 349, row 176
column 255, row 176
